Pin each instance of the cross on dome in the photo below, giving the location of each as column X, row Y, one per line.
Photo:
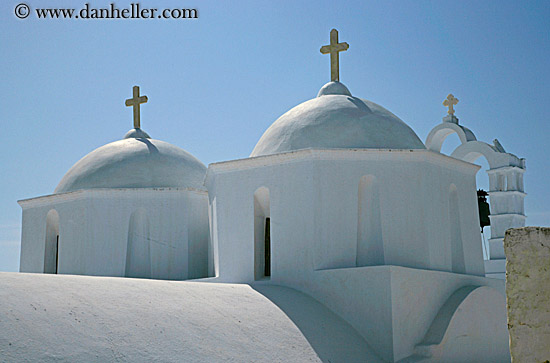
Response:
column 450, row 102
column 135, row 102
column 333, row 49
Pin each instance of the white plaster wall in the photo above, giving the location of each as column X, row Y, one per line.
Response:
column 393, row 307
column 71, row 212
column 314, row 206
column 501, row 222
column 414, row 210
column 417, row 297
column 313, row 210
column 94, row 227
column 507, row 202
column 291, row 213
column 362, row 296
column 32, row 251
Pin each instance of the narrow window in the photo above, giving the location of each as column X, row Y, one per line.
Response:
column 57, row 254
column 51, row 256
column 262, row 234
column 267, row 248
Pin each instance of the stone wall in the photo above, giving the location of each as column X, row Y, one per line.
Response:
column 528, row 293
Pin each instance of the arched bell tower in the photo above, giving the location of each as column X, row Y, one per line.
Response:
column 506, row 192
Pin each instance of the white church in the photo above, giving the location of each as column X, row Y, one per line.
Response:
column 340, row 202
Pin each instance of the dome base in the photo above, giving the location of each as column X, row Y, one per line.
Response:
column 137, row 134
column 334, row 88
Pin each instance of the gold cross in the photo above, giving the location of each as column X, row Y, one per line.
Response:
column 135, row 101
column 333, row 49
column 450, row 102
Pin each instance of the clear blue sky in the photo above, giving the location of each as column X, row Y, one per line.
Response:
column 217, row 82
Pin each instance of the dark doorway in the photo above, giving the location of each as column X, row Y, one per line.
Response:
column 51, row 244
column 267, row 253
column 57, row 254
column 262, row 235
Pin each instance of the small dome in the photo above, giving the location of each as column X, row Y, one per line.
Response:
column 135, row 162
column 334, row 88
column 137, row 134
column 337, row 120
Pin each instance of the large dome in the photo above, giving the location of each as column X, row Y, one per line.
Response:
column 337, row 120
column 135, row 162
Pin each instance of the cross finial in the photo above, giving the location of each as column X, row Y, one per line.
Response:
column 450, row 102
column 334, row 48
column 135, row 101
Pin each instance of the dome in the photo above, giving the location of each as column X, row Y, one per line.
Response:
column 135, row 162
column 337, row 120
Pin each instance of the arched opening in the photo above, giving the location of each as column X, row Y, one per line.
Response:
column 482, row 183
column 138, row 251
column 51, row 252
column 485, row 182
column 457, row 248
column 262, row 234
column 370, row 245
column 438, row 134
column 505, row 188
column 450, row 143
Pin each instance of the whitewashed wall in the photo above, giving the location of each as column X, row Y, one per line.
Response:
column 94, row 226
column 314, row 208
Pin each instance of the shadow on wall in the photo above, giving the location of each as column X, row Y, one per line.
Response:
column 332, row 338
column 138, row 254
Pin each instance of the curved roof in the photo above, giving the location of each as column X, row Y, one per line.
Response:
column 337, row 120
column 135, row 162
column 107, row 319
